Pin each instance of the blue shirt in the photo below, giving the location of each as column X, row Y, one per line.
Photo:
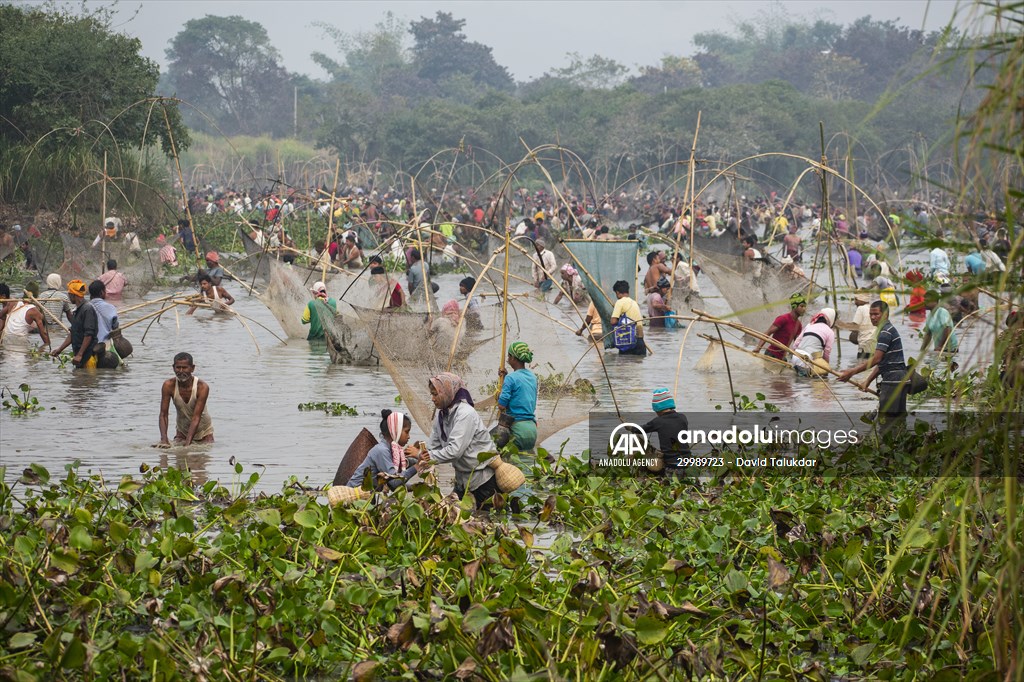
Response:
column 519, row 395
column 975, row 263
column 939, row 320
column 106, row 318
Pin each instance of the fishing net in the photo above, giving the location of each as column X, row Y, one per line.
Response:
column 714, row 357
column 601, row 264
column 755, row 300
column 413, row 347
column 83, row 261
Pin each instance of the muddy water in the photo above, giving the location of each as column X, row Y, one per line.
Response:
column 108, row 419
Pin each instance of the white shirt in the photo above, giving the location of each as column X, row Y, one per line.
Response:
column 546, row 266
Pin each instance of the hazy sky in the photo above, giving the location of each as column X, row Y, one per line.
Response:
column 528, row 36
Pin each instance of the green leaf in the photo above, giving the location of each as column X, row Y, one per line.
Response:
column 861, row 653
column 307, row 518
column 20, row 640
column 65, row 561
column 650, row 630
column 736, row 581
column 80, row 538
column 74, row 654
column 118, row 531
column 476, row 618
column 271, row 517
column 144, row 561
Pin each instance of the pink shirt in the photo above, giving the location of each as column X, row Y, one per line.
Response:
column 115, row 283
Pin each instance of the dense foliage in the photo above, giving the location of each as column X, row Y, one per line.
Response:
column 70, row 90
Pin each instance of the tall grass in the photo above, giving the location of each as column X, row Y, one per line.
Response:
column 243, row 161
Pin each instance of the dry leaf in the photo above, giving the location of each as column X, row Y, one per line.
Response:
column 527, row 536
column 328, row 554
column 400, row 633
column 365, row 671
column 470, row 570
column 549, row 507
column 466, row 670
column 778, row 575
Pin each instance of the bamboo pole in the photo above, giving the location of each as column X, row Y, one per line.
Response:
column 181, row 181
column 44, row 312
column 775, row 342
column 103, row 218
column 330, row 218
column 147, row 303
column 504, row 314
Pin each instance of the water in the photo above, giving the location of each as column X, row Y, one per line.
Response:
column 108, row 419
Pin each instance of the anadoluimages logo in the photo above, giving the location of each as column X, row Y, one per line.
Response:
column 627, row 440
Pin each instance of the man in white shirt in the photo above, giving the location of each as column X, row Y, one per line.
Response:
column 543, row 266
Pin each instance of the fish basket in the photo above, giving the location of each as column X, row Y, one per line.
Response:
column 343, row 494
column 508, row 476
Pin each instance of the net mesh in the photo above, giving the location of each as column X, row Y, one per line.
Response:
column 83, row 261
column 756, row 298
column 413, row 347
column 602, row 263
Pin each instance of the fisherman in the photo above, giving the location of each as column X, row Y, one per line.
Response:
column 459, row 436
column 571, row 283
column 656, row 269
column 109, row 232
column 974, row 263
column 186, row 236
column 668, row 424
column 350, row 255
column 189, row 394
column 517, row 402
column 114, row 281
column 864, row 329
column 55, row 302
column 938, row 328
column 685, row 277
column 472, row 304
column 392, row 289
column 785, row 328
column 208, row 291
column 417, row 273
column 657, row 303
column 753, row 256
column 84, row 327
column 310, row 314
column 793, row 244
column 626, row 307
column 992, row 260
column 22, row 318
column 592, row 320
column 543, row 266
column 168, row 255
column 939, row 262
column 106, row 321
column 213, row 268
column 391, row 457
column 812, row 350
column 887, row 364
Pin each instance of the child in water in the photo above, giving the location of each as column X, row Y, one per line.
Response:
column 391, row 456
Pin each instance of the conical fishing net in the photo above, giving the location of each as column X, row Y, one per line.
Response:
column 755, row 301
column 83, row 261
column 601, row 264
column 413, row 347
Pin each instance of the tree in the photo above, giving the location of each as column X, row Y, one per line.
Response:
column 441, row 51
column 227, row 68
column 595, row 72
column 376, row 62
column 61, row 74
column 675, row 73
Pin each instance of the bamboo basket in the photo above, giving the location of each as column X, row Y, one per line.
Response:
column 508, row 476
column 343, row 494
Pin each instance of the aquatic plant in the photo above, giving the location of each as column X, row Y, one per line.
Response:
column 336, row 409
column 24, row 404
column 554, row 386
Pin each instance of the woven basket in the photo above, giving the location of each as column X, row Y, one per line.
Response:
column 508, row 476
column 343, row 494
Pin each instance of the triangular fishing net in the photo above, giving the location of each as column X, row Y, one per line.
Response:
column 601, row 264
column 413, row 347
column 83, row 261
column 755, row 301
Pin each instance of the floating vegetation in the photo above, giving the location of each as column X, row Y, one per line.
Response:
column 646, row 577
column 336, row 409
column 554, row 386
column 26, row 403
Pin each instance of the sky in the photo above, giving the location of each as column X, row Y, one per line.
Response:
column 529, row 37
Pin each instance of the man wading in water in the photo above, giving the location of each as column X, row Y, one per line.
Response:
column 193, row 424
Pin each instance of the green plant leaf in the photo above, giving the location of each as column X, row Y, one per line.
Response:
column 650, row 630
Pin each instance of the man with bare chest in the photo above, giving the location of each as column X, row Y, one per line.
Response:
column 189, row 395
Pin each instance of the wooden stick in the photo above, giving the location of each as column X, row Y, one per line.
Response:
column 147, row 303
column 767, row 339
column 735, row 346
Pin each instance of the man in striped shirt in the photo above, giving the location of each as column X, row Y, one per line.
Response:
column 887, row 363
